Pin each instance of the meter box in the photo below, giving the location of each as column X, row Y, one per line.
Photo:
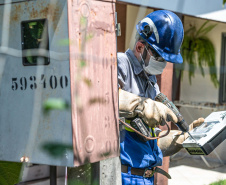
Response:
column 208, row 135
column 58, row 82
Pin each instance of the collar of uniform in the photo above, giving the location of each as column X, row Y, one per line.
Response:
column 135, row 63
column 138, row 69
column 153, row 79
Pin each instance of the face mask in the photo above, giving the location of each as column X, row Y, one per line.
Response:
column 154, row 67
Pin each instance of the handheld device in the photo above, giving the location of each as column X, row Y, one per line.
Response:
column 208, row 135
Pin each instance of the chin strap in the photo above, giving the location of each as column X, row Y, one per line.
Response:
column 148, row 138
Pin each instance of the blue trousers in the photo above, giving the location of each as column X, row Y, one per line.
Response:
column 128, row 179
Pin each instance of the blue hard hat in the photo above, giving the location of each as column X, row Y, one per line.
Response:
column 163, row 31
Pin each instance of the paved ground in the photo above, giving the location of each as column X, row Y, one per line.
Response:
column 193, row 170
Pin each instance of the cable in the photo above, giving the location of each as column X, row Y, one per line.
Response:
column 148, row 138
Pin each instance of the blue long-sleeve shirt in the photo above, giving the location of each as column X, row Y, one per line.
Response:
column 133, row 152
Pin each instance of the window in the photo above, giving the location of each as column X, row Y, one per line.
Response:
column 34, row 36
column 222, row 94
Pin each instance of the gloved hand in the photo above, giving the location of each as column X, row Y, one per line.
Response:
column 172, row 143
column 181, row 138
column 152, row 112
column 196, row 123
column 127, row 104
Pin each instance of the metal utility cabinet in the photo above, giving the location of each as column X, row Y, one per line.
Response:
column 75, row 64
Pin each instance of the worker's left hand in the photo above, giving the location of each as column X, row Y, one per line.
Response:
column 181, row 138
column 196, row 123
column 172, row 143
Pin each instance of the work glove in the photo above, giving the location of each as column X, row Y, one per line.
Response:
column 180, row 138
column 172, row 143
column 152, row 112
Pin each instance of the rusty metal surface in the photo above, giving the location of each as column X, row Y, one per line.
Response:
column 94, row 91
column 24, row 127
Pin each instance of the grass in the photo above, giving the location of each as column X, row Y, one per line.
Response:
column 220, row 182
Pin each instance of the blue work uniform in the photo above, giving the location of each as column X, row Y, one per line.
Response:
column 133, row 152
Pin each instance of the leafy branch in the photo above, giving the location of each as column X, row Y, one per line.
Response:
column 10, row 172
column 198, row 50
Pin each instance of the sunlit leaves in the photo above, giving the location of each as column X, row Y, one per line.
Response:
column 10, row 172
column 55, row 104
column 220, row 182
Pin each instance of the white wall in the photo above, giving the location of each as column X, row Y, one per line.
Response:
column 202, row 89
column 133, row 15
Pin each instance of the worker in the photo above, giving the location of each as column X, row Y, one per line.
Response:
column 158, row 41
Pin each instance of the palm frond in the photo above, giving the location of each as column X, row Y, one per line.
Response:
column 192, row 29
column 201, row 28
column 204, row 31
column 224, row 1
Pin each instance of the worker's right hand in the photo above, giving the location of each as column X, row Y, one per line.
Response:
column 154, row 113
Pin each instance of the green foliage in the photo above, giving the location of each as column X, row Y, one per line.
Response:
column 10, row 172
column 64, row 42
column 55, row 104
column 83, row 21
column 198, row 50
column 80, row 175
column 78, row 182
column 224, row 1
column 89, row 36
column 82, row 63
column 56, row 149
column 220, row 182
column 32, row 35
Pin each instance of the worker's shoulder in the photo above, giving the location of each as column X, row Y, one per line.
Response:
column 122, row 56
column 122, row 59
